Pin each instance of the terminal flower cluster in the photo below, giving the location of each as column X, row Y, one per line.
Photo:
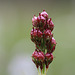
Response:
column 41, row 35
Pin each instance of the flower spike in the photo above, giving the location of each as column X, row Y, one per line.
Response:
column 41, row 35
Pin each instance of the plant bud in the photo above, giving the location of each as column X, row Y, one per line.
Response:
column 52, row 50
column 34, row 21
column 47, row 34
column 49, row 59
column 44, row 14
column 36, row 33
column 35, row 54
column 53, row 42
column 50, row 24
column 39, row 56
column 41, row 21
column 49, row 56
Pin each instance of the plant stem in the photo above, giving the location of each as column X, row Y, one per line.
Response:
column 38, row 72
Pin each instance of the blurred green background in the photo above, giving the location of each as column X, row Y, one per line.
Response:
column 16, row 47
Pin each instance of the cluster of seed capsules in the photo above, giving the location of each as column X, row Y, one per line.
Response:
column 42, row 36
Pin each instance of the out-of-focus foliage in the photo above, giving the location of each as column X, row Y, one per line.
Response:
column 15, row 27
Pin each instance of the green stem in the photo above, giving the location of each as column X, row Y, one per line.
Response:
column 38, row 72
column 43, row 69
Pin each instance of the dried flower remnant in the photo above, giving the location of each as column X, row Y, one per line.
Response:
column 41, row 35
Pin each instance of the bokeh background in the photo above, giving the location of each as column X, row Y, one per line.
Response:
column 16, row 47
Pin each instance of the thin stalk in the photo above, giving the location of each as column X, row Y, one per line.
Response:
column 38, row 72
column 43, row 69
